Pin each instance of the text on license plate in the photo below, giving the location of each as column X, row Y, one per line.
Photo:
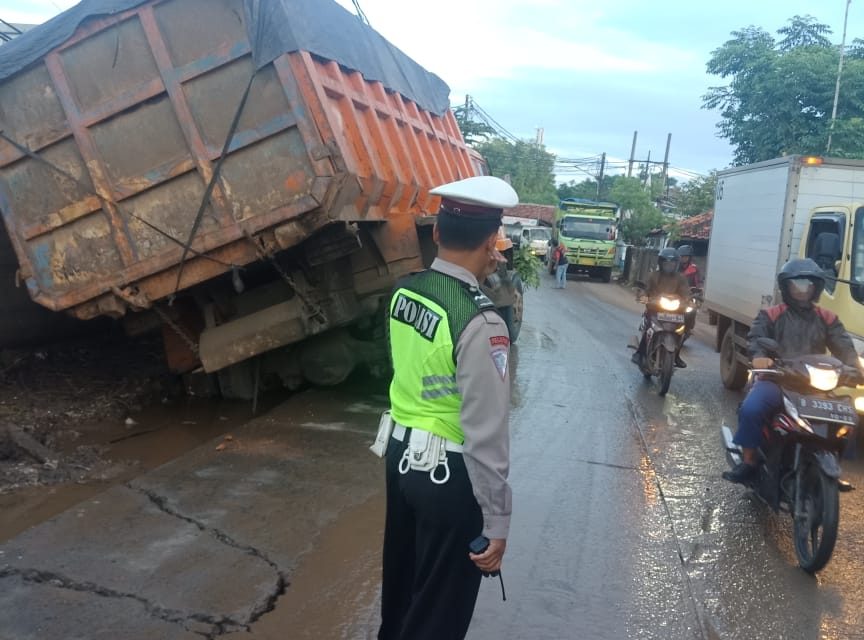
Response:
column 822, row 409
column 670, row 317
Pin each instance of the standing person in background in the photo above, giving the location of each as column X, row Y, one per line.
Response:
column 449, row 456
column 559, row 253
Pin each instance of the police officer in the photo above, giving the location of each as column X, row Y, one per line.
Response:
column 451, row 386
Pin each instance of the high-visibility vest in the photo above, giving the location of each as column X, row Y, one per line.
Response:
column 428, row 313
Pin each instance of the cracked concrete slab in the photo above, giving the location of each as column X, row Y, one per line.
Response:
column 274, row 488
column 123, row 546
column 205, row 544
column 37, row 610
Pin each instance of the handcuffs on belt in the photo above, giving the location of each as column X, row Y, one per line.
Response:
column 425, row 452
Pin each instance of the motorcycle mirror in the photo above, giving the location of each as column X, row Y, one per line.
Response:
column 769, row 346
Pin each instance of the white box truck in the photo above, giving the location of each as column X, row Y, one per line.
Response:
column 767, row 213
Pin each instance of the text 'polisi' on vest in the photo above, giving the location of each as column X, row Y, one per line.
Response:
column 413, row 313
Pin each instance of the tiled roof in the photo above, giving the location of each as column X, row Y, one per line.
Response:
column 696, row 227
column 543, row 212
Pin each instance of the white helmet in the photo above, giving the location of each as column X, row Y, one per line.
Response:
column 478, row 196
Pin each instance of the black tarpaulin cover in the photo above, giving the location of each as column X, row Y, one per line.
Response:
column 320, row 27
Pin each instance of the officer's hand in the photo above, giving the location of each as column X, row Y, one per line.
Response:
column 490, row 560
column 763, row 363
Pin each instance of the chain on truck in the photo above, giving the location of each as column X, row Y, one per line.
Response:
column 766, row 214
column 254, row 193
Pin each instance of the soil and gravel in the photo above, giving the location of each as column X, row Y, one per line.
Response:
column 55, row 399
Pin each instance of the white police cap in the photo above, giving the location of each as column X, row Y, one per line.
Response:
column 476, row 196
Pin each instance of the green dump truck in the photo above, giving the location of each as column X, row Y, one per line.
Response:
column 588, row 230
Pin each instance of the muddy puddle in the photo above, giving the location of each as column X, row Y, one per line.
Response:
column 124, row 449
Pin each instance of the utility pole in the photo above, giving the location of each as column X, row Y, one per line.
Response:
column 647, row 170
column 538, row 140
column 666, row 165
column 632, row 153
column 600, row 178
column 837, row 84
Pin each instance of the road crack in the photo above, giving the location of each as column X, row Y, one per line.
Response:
column 213, row 625
column 281, row 584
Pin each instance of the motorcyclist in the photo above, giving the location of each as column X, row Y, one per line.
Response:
column 664, row 281
column 800, row 327
column 687, row 267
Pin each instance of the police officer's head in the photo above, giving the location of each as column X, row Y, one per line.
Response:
column 801, row 282
column 667, row 260
column 685, row 253
column 470, row 213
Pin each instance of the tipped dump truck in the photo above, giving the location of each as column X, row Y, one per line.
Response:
column 250, row 176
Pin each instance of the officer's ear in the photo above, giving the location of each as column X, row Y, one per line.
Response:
column 492, row 241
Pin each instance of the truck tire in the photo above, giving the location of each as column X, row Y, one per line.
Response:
column 513, row 314
column 732, row 372
column 605, row 274
column 237, row 382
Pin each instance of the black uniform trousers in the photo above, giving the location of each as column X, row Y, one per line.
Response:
column 430, row 584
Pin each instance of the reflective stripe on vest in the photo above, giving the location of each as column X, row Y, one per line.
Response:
column 423, row 393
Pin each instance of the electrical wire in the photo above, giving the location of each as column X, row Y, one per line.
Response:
column 360, row 14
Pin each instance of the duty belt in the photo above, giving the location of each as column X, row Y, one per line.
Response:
column 426, row 451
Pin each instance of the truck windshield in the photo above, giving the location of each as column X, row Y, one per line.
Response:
column 540, row 234
column 858, row 257
column 590, row 229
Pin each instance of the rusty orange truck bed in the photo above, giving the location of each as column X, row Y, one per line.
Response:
column 261, row 165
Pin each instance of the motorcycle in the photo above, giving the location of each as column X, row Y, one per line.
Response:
column 799, row 466
column 693, row 306
column 663, row 327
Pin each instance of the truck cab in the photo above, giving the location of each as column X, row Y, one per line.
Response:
column 537, row 240
column 834, row 239
column 588, row 230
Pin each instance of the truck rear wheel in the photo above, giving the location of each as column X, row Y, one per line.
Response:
column 605, row 274
column 732, row 372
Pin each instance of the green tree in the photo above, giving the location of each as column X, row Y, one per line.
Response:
column 586, row 189
column 640, row 214
column 528, row 166
column 779, row 95
column 696, row 196
column 473, row 130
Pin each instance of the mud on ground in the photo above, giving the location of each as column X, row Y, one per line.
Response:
column 54, row 399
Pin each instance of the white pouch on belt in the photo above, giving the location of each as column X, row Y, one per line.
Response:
column 425, row 452
column 382, row 438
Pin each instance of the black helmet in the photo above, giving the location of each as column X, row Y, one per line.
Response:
column 667, row 260
column 797, row 269
column 685, row 250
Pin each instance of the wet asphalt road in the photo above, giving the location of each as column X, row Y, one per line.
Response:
column 622, row 527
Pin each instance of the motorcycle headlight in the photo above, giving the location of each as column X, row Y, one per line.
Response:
column 688, row 310
column 823, row 379
column 669, row 304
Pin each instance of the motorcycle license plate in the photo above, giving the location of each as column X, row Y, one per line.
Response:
column 670, row 317
column 831, row 409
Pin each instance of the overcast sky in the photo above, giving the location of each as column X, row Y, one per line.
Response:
column 589, row 73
